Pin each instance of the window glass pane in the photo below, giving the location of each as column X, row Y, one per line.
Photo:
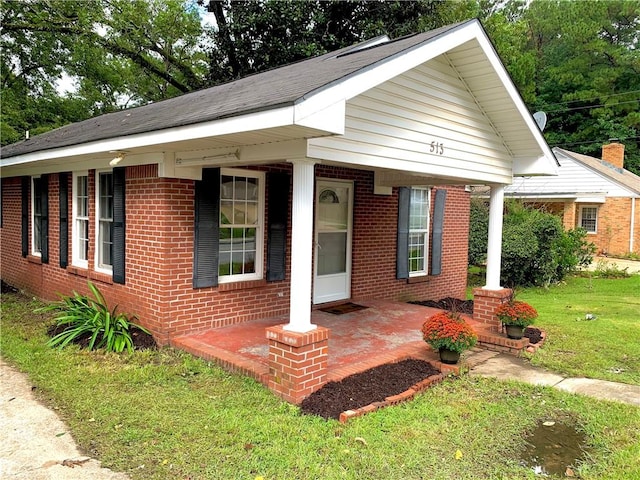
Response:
column 239, row 208
column 332, row 253
column 333, row 206
column 105, row 216
column 252, row 189
column 82, row 197
column 83, row 240
column 106, row 242
column 224, row 263
column 226, row 212
column 418, row 230
column 226, row 187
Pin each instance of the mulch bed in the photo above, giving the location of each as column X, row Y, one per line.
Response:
column 533, row 334
column 370, row 386
column 449, row 303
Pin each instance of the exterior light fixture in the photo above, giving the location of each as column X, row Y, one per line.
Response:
column 117, row 159
column 207, row 159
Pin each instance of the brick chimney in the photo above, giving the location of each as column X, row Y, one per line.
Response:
column 613, row 153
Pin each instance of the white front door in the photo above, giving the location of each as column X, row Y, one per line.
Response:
column 334, row 205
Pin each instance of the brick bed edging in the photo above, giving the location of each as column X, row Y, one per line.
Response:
column 393, row 399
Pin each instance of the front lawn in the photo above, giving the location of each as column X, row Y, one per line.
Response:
column 167, row 415
column 607, row 347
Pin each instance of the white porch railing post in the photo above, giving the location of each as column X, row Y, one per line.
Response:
column 301, row 246
column 494, row 247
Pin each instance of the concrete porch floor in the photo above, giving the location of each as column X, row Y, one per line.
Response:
column 381, row 333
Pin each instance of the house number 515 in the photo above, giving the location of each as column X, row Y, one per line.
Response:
column 437, row 148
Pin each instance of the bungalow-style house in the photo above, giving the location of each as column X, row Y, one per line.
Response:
column 598, row 195
column 339, row 177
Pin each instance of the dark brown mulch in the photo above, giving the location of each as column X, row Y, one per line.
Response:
column 141, row 340
column 361, row 389
column 6, row 288
column 449, row 303
column 533, row 334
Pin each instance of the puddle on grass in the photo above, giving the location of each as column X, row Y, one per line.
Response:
column 554, row 447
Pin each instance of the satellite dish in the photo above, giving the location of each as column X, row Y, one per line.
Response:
column 541, row 119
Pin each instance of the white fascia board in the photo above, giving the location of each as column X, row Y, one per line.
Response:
column 277, row 117
column 534, row 166
column 330, row 119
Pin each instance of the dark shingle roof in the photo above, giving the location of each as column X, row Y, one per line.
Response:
column 282, row 86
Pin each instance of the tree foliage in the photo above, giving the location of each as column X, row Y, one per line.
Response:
column 583, row 66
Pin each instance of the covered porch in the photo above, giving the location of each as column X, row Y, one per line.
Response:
column 381, row 332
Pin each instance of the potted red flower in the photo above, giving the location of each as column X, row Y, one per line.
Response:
column 515, row 315
column 448, row 333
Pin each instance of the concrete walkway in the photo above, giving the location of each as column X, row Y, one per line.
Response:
column 632, row 266
column 36, row 444
column 507, row 367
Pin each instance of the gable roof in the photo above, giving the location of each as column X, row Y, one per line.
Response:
column 282, row 86
column 300, row 101
column 621, row 176
column 580, row 177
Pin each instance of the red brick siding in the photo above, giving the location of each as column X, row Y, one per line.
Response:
column 614, row 224
column 159, row 242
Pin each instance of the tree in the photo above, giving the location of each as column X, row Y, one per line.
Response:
column 254, row 36
column 588, row 73
column 121, row 53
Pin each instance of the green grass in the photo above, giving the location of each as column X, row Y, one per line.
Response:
column 608, row 347
column 167, row 415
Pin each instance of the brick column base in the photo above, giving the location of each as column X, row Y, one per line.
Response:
column 297, row 362
column 485, row 303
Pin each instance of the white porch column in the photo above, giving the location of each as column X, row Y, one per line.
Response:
column 494, row 247
column 301, row 246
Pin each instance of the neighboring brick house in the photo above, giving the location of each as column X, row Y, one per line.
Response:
column 598, row 195
column 339, row 177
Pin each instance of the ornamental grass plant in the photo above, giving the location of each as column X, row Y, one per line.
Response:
column 449, row 331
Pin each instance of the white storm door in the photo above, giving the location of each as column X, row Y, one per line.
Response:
column 332, row 273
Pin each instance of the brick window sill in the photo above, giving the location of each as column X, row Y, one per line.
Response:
column 80, row 272
column 232, row 286
column 420, row 279
column 101, row 277
column 34, row 259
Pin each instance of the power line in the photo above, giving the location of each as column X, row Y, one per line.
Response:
column 594, row 106
column 589, row 142
column 588, row 99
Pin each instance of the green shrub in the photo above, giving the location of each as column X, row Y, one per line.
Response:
column 536, row 250
column 478, row 231
column 86, row 318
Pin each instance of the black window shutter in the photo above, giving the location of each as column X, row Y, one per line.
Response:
column 44, row 208
column 63, row 179
column 436, row 235
column 206, row 229
column 278, row 216
column 25, row 215
column 402, row 248
column 119, row 225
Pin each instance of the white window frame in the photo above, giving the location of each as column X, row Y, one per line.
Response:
column 98, row 238
column 582, row 208
column 34, row 251
column 260, row 227
column 76, row 219
column 421, row 231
